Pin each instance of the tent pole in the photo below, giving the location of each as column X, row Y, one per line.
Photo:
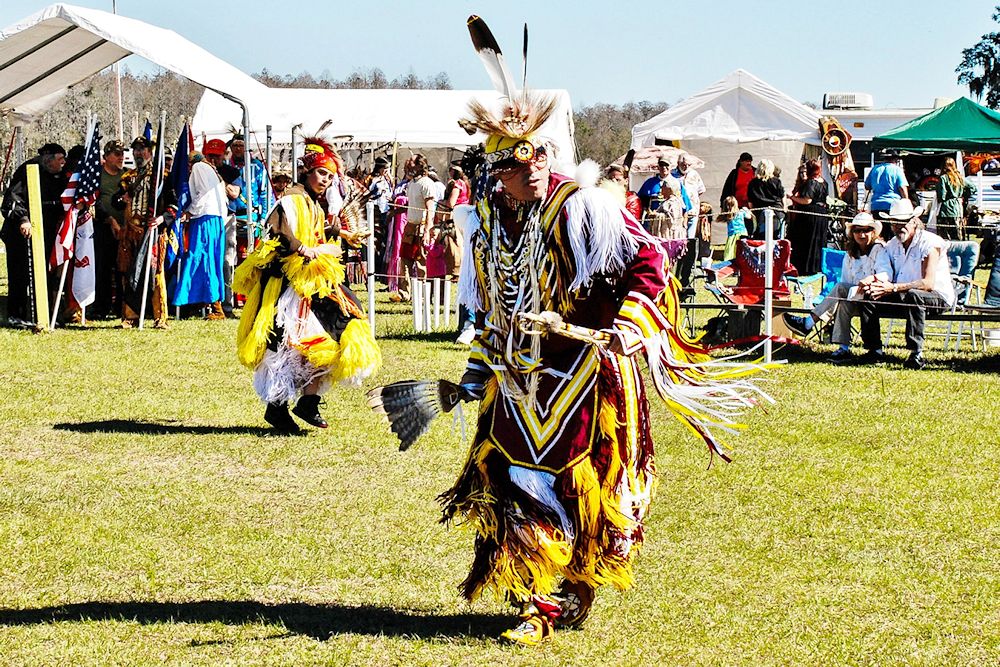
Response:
column 768, row 281
column 370, row 223
column 118, row 87
column 269, row 159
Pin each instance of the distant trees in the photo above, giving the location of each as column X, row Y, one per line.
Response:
column 604, row 131
column 980, row 66
column 368, row 78
column 142, row 95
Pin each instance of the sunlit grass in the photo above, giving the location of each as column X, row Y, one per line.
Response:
column 147, row 516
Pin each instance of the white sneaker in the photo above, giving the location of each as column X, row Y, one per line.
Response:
column 467, row 336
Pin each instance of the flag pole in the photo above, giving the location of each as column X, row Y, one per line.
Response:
column 270, row 167
column 185, row 136
column 248, row 181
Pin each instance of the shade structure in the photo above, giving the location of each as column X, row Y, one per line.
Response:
column 44, row 54
column 426, row 118
column 961, row 125
column 739, row 108
column 739, row 113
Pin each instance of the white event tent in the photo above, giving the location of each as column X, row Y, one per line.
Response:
column 44, row 54
column 735, row 114
column 413, row 118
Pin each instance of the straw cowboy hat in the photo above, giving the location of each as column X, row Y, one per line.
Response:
column 863, row 219
column 902, row 211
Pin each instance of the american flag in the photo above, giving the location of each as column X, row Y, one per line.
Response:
column 84, row 187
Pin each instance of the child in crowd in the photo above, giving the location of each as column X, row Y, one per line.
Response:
column 668, row 222
column 736, row 220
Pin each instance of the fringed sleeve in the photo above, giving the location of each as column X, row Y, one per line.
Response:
column 705, row 394
column 467, row 218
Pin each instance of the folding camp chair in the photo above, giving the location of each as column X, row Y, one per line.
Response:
column 748, row 270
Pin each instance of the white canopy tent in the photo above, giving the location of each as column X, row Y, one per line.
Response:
column 414, row 118
column 61, row 45
column 735, row 114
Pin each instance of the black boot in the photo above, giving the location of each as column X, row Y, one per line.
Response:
column 277, row 416
column 307, row 409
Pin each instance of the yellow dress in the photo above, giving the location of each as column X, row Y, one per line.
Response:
column 300, row 322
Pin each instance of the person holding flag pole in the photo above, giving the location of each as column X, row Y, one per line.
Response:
column 138, row 196
column 152, row 241
column 75, row 239
column 178, row 178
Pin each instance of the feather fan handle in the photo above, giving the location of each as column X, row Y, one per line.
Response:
column 489, row 51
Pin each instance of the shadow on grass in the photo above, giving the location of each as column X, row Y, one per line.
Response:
column 312, row 620
column 448, row 336
column 961, row 362
column 159, row 428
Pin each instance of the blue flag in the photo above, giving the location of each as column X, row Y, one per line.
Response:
column 179, row 173
column 181, row 170
column 147, row 132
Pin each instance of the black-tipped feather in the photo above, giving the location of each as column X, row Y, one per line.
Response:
column 524, row 60
column 489, row 51
column 412, row 405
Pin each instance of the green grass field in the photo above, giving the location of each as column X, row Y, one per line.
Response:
column 146, row 517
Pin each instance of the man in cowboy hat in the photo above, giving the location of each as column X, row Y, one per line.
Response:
column 911, row 277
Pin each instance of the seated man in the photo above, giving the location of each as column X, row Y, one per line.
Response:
column 911, row 276
column 864, row 247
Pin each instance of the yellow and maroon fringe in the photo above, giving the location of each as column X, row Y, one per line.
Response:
column 520, row 555
column 701, row 392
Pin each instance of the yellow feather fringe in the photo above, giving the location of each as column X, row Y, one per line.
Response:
column 256, row 327
column 315, row 277
column 324, row 354
column 359, row 353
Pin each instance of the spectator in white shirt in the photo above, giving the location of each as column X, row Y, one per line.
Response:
column 911, row 277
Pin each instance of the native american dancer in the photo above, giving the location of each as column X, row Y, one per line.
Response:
column 561, row 471
column 301, row 327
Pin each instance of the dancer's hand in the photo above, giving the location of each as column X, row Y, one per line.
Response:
column 354, row 239
column 25, row 228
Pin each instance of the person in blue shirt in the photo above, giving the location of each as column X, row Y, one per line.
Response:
column 649, row 193
column 886, row 184
column 236, row 226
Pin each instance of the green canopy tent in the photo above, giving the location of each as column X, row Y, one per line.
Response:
column 962, row 125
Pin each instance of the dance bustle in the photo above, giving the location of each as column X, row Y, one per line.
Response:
column 411, row 406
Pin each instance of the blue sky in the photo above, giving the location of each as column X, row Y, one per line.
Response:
column 902, row 52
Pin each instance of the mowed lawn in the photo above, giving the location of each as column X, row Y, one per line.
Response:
column 147, row 517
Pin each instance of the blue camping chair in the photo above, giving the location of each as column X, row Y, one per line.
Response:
column 814, row 288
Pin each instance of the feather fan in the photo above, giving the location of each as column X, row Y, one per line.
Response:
column 412, row 405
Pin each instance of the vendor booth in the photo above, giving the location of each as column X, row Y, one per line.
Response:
column 926, row 140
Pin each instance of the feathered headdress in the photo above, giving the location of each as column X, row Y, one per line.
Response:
column 511, row 134
column 319, row 153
